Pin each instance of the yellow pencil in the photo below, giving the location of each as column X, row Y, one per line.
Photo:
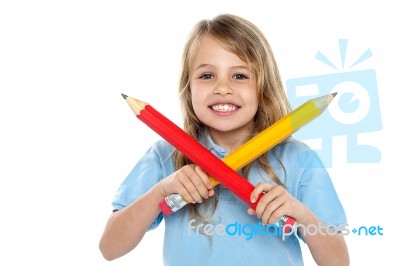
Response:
column 277, row 132
column 263, row 142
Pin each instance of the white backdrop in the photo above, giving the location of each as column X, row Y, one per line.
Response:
column 68, row 139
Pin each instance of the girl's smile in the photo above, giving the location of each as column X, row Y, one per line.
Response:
column 224, row 108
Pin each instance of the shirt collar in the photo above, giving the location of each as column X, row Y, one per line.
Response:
column 207, row 141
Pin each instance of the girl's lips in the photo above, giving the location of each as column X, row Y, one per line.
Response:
column 224, row 107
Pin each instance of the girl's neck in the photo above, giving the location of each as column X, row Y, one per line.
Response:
column 230, row 140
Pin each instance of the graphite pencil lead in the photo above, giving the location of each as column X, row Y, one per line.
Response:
column 334, row 94
column 124, row 96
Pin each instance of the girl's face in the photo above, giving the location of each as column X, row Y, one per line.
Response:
column 224, row 94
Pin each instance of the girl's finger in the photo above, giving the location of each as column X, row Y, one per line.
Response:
column 270, row 209
column 250, row 211
column 260, row 188
column 203, row 176
column 201, row 182
column 191, row 193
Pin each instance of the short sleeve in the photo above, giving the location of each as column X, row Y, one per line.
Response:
column 148, row 171
column 317, row 192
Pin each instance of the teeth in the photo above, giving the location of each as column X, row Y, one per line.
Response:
column 223, row 107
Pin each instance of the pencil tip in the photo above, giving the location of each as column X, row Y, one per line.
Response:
column 334, row 94
column 124, row 96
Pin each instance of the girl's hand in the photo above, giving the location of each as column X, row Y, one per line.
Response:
column 275, row 202
column 190, row 182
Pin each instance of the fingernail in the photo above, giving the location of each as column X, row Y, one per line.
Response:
column 253, row 200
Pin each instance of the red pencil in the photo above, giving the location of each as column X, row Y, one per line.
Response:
column 196, row 152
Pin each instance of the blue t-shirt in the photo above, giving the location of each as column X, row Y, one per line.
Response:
column 231, row 236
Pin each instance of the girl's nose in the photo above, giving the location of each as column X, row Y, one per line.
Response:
column 223, row 88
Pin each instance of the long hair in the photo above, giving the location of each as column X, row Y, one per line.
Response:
column 245, row 40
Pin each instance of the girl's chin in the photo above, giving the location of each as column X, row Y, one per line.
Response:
column 228, row 128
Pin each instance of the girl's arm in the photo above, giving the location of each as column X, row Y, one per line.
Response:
column 126, row 228
column 326, row 249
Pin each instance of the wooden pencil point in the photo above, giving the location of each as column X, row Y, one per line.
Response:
column 124, row 96
column 136, row 105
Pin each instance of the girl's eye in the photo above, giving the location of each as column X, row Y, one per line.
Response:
column 240, row 76
column 206, row 76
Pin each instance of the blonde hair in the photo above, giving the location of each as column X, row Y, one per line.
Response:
column 245, row 40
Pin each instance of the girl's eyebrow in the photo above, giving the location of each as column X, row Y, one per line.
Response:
column 244, row 67
column 203, row 66
column 233, row 67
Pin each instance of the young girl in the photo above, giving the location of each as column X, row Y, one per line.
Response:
column 230, row 90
